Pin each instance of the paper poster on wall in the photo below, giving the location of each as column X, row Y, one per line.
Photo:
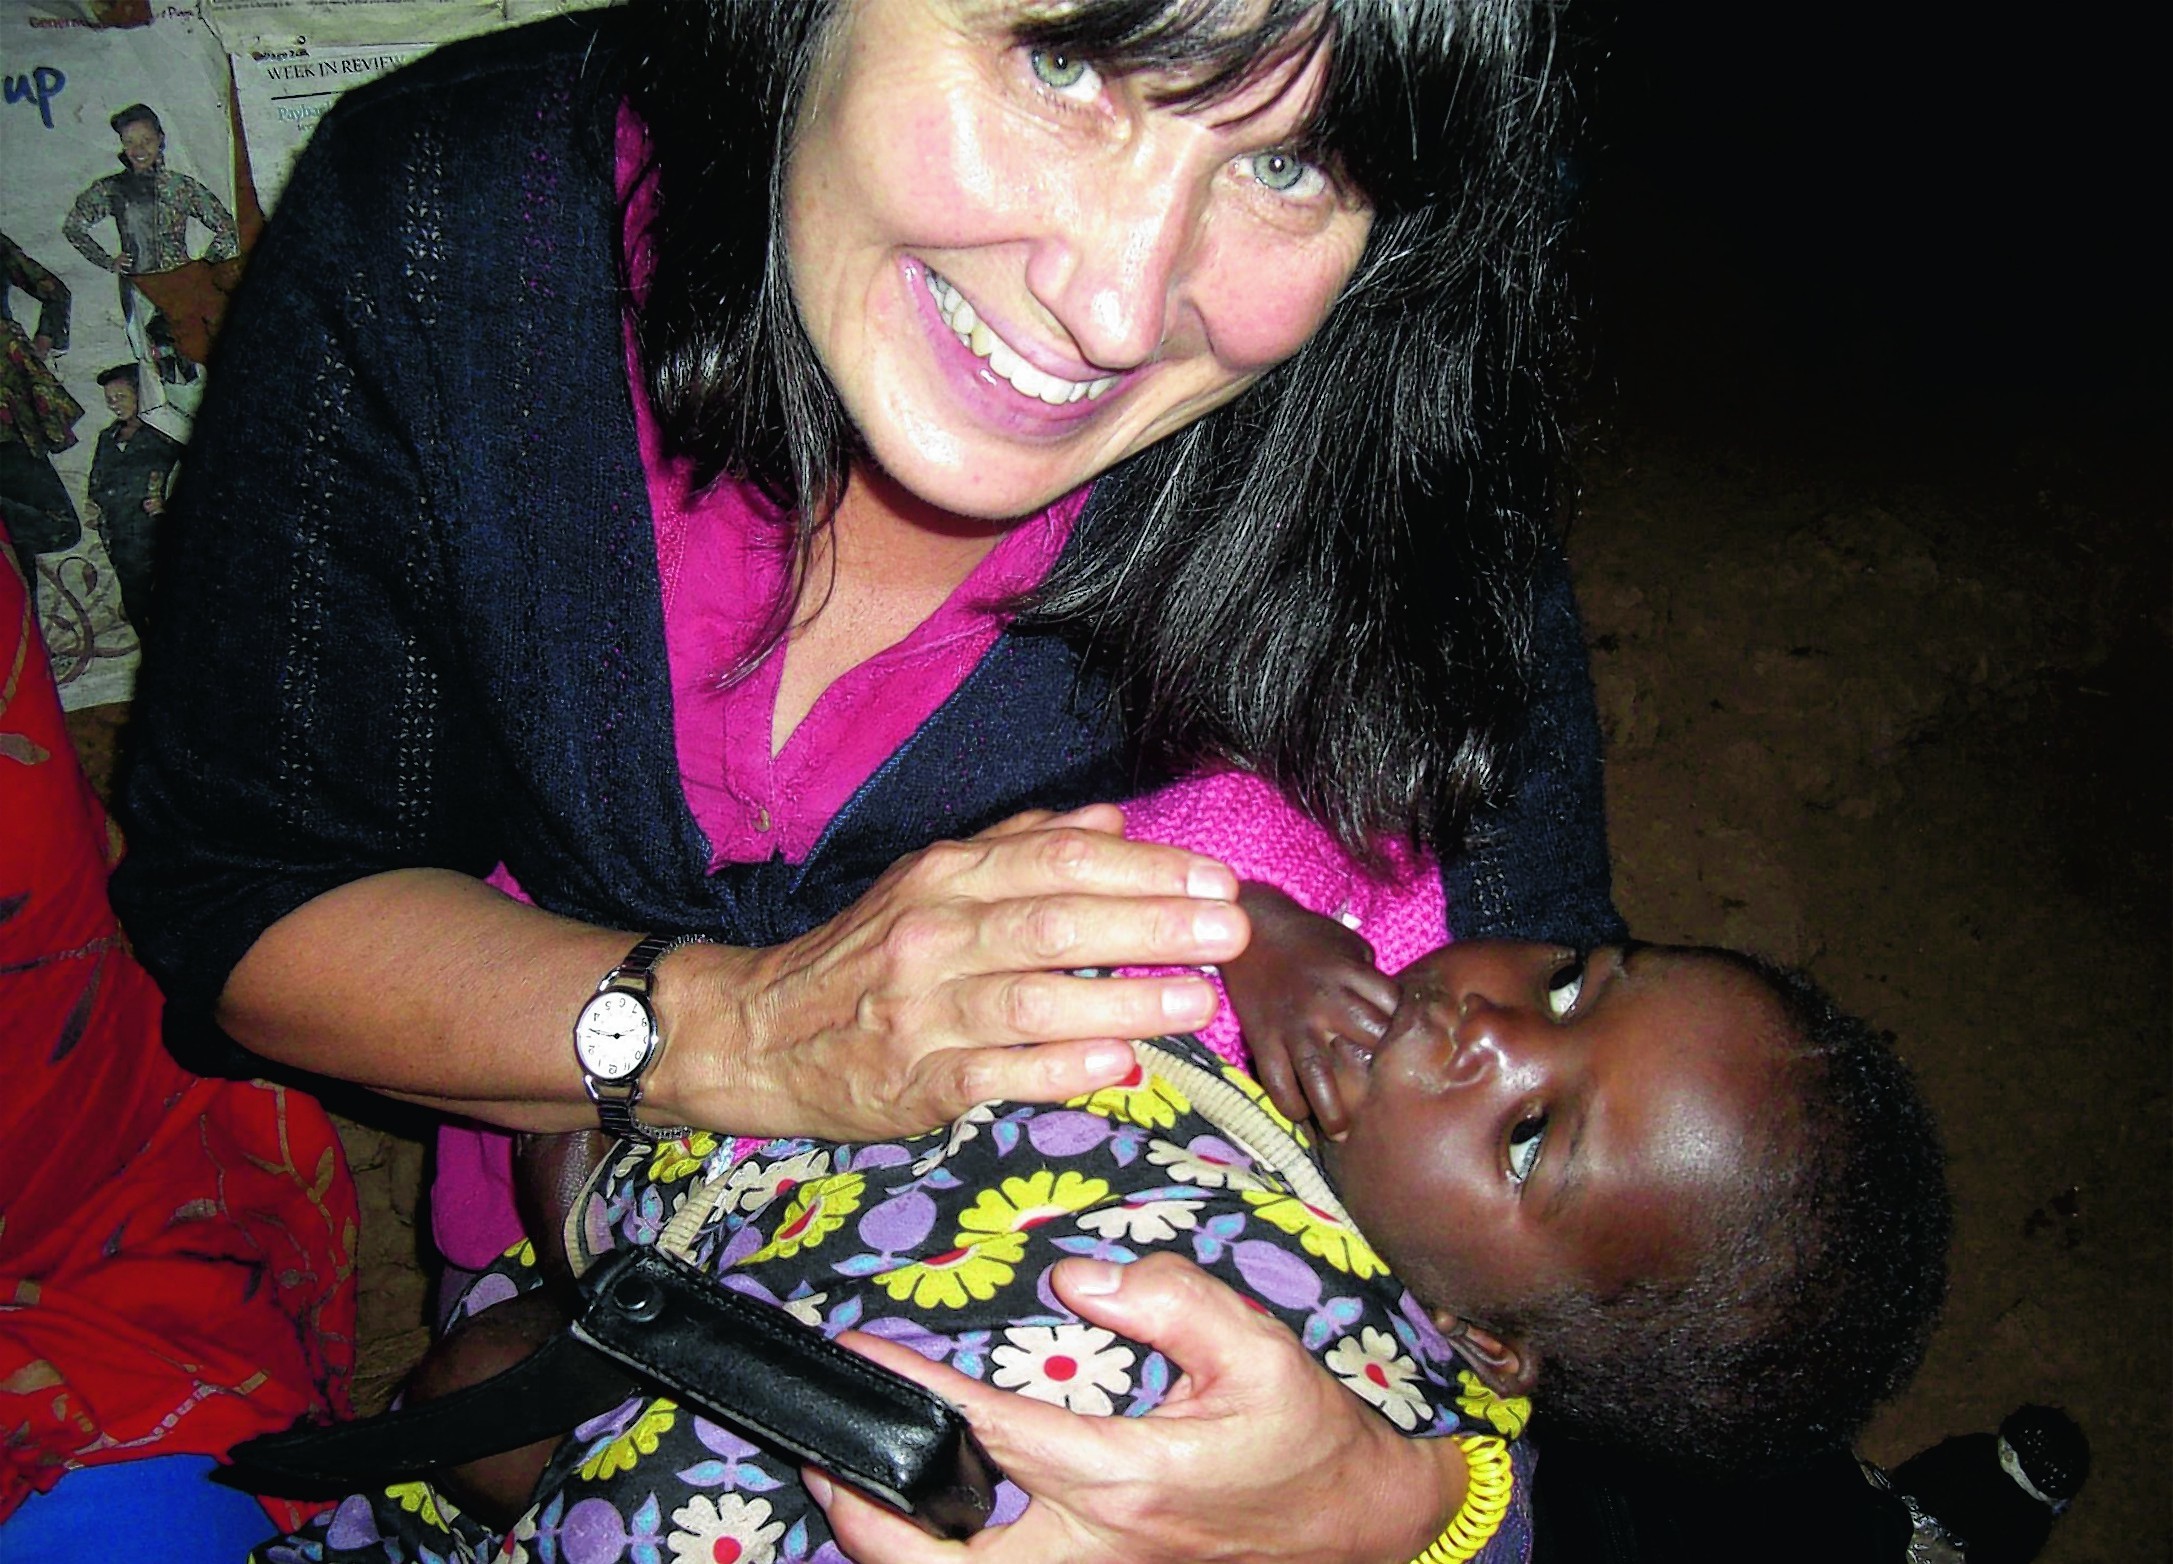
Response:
column 293, row 58
column 119, row 174
column 284, row 90
column 349, row 23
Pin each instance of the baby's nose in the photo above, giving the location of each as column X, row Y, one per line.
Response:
column 1475, row 1038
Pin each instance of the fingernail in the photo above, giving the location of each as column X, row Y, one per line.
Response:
column 1110, row 1061
column 1216, row 925
column 1093, row 1278
column 818, row 1486
column 1210, row 882
column 1186, row 1005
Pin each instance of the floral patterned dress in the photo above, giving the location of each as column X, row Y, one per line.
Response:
column 944, row 1241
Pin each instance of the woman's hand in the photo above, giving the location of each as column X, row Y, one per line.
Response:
column 909, row 1008
column 1257, row 1454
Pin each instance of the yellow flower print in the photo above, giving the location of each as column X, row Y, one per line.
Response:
column 522, row 1254
column 1023, row 1204
column 675, row 1159
column 817, row 1210
column 1507, row 1415
column 621, row 1454
column 946, row 1281
column 421, row 1500
column 1325, row 1238
column 1142, row 1099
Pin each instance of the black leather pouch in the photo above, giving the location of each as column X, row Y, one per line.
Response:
column 750, row 1364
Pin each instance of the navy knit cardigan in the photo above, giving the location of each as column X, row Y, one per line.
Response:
column 411, row 613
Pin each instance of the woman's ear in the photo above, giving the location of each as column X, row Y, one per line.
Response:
column 1509, row 1367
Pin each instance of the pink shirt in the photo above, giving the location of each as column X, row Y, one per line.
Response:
column 723, row 557
column 1236, row 817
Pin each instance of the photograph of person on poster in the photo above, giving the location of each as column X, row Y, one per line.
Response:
column 37, row 416
column 151, row 207
column 130, row 469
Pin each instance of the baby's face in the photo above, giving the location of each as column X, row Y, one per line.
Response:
column 1534, row 1118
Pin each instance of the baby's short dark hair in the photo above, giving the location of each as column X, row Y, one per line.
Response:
column 1817, row 1290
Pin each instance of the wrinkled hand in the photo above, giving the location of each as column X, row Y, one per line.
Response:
column 909, row 1008
column 1303, row 982
column 1258, row 1454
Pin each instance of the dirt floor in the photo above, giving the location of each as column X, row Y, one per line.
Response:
column 1884, row 724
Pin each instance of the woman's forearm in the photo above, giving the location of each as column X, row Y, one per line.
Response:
column 896, row 1016
column 428, row 985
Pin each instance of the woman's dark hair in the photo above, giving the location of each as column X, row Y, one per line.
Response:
column 1328, row 581
column 1815, row 1295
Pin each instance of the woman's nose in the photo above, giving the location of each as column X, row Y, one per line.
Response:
column 1110, row 267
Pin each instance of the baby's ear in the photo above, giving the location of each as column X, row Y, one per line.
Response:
column 1508, row 1366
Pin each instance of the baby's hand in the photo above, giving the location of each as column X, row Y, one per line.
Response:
column 1303, row 982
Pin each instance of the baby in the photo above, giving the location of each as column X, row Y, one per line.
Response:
column 1674, row 1192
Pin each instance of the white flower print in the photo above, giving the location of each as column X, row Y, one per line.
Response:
column 1371, row 1365
column 754, row 1184
column 808, row 1310
column 963, row 1128
column 726, row 1530
column 1146, row 1222
column 1077, row 1367
column 1206, row 1162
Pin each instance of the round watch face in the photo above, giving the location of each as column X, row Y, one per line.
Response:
column 612, row 1036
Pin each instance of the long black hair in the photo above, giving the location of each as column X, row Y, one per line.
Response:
column 1329, row 581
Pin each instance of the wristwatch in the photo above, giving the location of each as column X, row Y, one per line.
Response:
column 615, row 1037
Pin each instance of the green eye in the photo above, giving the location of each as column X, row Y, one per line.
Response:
column 1280, row 171
column 1063, row 72
column 1525, row 1142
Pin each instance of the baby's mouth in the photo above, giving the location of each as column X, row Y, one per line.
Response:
column 982, row 342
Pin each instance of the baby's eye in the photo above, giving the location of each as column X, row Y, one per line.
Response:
column 1283, row 172
column 1066, row 75
column 1564, row 987
column 1525, row 1142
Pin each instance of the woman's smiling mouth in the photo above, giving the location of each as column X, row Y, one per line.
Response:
column 981, row 341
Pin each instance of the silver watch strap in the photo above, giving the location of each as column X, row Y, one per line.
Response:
column 616, row 1101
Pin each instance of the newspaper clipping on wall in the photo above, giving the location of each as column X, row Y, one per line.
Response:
column 141, row 145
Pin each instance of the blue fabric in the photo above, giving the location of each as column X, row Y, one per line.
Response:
column 164, row 1507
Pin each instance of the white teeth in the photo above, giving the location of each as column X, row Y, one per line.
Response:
column 982, row 342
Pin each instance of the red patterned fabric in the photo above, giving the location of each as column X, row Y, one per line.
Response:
column 176, row 1254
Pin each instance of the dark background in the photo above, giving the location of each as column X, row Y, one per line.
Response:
column 1913, row 202
column 1873, row 549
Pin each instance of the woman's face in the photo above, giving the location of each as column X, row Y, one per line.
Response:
column 1018, row 272
column 141, row 144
